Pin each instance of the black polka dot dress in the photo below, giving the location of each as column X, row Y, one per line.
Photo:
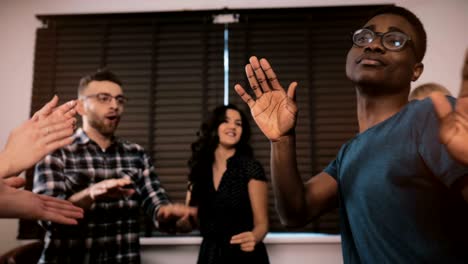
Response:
column 226, row 212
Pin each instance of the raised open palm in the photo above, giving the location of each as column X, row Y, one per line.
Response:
column 454, row 123
column 49, row 129
column 24, row 204
column 111, row 189
column 274, row 110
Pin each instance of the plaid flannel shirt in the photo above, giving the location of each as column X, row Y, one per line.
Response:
column 109, row 232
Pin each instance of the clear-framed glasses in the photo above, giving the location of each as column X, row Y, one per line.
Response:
column 391, row 40
column 106, row 98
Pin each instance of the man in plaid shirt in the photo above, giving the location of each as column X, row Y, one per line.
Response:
column 108, row 177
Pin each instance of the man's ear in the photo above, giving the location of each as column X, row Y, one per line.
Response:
column 418, row 69
column 80, row 107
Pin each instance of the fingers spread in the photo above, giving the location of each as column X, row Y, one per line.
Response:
column 270, row 74
column 47, row 108
column 66, row 107
column 244, row 95
column 249, row 71
column 260, row 74
column 65, row 111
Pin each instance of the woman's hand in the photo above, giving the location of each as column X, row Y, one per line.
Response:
column 245, row 240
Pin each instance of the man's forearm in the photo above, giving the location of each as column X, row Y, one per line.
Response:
column 287, row 184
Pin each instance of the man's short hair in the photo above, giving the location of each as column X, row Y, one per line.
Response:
column 421, row 42
column 100, row 75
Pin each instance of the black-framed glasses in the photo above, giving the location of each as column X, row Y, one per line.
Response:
column 391, row 40
column 106, row 98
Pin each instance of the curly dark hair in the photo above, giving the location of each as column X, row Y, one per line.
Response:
column 204, row 147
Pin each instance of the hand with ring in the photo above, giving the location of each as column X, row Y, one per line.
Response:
column 49, row 129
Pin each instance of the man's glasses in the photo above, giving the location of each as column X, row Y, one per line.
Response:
column 391, row 40
column 106, row 98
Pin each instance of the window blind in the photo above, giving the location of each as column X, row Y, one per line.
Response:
column 171, row 65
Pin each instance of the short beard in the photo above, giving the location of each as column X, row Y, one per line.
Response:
column 103, row 129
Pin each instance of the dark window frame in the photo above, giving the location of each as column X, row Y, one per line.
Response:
column 169, row 61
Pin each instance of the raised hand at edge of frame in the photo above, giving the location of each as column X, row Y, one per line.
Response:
column 50, row 128
column 27, row 205
column 454, row 122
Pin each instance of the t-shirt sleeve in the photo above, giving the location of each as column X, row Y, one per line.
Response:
column 331, row 169
column 255, row 171
column 434, row 153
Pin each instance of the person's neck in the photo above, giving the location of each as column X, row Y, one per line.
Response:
column 104, row 141
column 371, row 110
column 221, row 155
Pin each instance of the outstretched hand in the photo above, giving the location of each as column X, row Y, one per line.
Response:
column 174, row 218
column 454, row 123
column 49, row 129
column 14, row 181
column 111, row 189
column 245, row 240
column 175, row 212
column 273, row 109
column 27, row 205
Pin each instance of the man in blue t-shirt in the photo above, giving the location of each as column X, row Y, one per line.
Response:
column 402, row 196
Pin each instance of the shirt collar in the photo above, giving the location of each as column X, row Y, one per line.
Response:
column 82, row 138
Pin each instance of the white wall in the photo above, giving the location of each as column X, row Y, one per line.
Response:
column 301, row 248
column 445, row 22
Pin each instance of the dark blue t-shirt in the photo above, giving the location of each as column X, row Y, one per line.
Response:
column 396, row 200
